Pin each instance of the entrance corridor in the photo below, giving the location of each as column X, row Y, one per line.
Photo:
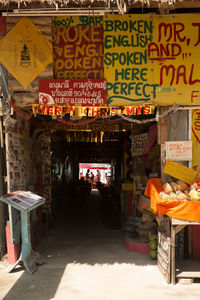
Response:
column 87, row 261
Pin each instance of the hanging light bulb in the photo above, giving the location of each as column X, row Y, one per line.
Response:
column 102, row 134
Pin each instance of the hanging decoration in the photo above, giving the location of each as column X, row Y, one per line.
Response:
column 83, row 126
column 101, row 112
column 20, row 113
column 79, row 123
column 86, row 136
column 25, row 52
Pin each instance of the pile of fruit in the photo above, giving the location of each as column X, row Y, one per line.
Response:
column 153, row 246
column 195, row 191
column 181, row 191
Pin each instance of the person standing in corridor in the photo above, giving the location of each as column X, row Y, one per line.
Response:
column 98, row 176
column 87, row 174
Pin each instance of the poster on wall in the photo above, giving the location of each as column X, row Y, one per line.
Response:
column 137, row 144
column 18, row 154
column 152, row 59
column 179, row 150
column 78, row 47
column 46, row 171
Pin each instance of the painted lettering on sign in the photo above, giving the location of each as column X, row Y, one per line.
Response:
column 60, row 21
column 152, row 59
column 78, row 48
column 126, row 57
column 172, row 42
column 174, row 53
column 196, row 139
column 196, row 125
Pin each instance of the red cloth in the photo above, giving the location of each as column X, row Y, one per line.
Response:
column 185, row 210
column 152, row 135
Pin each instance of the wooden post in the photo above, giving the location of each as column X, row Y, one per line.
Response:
column 162, row 137
column 2, row 205
column 26, row 234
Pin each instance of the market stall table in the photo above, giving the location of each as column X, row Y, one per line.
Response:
column 176, row 226
column 181, row 213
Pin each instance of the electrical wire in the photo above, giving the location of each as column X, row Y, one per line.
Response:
column 20, row 113
column 174, row 108
column 78, row 123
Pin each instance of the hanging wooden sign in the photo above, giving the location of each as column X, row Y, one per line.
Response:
column 73, row 92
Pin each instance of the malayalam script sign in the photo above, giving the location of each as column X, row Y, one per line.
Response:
column 137, row 144
column 179, row 151
column 78, row 47
column 73, row 92
column 152, row 59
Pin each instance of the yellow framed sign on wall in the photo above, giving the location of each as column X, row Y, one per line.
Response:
column 152, row 59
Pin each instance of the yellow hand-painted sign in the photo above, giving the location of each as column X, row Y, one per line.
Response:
column 25, row 52
column 180, row 172
column 196, row 139
column 152, row 59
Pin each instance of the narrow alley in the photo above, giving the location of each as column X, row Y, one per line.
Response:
column 86, row 261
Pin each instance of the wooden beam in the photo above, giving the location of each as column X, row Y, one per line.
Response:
column 179, row 228
column 13, row 4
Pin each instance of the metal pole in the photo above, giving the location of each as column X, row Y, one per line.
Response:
column 189, row 228
column 2, row 205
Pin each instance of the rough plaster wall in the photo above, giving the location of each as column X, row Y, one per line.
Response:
column 178, row 126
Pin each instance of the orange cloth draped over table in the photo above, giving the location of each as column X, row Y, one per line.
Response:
column 185, row 210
